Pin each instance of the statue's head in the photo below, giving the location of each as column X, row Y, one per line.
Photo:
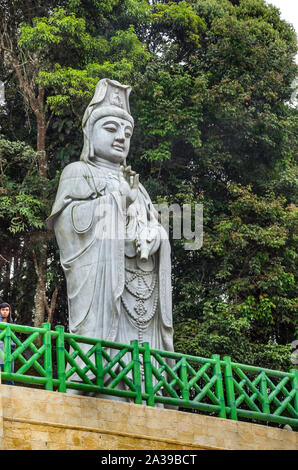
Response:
column 107, row 123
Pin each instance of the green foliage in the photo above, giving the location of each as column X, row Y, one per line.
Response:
column 226, row 335
column 61, row 40
column 180, row 21
column 172, row 105
column 20, row 206
column 57, row 29
column 73, row 87
column 22, row 210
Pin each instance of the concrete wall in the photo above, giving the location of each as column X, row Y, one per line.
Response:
column 1, row 420
column 39, row 419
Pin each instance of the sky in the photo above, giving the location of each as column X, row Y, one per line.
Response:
column 288, row 11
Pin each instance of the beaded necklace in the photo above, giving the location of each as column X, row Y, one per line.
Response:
column 139, row 315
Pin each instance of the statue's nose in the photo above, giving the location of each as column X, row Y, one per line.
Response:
column 120, row 136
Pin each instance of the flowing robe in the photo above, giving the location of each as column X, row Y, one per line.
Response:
column 96, row 247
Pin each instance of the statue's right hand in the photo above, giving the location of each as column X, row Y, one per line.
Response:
column 129, row 184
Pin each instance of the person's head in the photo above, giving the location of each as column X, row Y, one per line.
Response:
column 107, row 123
column 5, row 312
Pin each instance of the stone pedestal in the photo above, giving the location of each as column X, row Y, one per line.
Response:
column 1, row 419
column 39, row 419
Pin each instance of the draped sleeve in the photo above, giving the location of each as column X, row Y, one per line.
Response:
column 87, row 222
column 76, row 184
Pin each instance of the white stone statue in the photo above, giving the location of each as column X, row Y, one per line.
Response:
column 113, row 250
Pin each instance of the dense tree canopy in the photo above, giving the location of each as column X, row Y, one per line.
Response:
column 212, row 82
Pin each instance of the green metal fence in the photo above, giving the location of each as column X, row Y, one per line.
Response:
column 57, row 360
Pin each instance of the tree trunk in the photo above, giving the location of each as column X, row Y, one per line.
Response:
column 40, row 260
column 27, row 70
column 41, row 135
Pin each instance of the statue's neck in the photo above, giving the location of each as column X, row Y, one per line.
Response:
column 105, row 164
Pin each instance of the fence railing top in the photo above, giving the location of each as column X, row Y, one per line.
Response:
column 169, row 354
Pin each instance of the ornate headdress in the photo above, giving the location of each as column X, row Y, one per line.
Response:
column 110, row 99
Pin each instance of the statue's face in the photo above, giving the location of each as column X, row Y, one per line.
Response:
column 111, row 138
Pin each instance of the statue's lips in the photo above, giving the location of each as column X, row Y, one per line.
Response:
column 118, row 147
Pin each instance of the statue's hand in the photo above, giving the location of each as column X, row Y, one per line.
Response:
column 129, row 185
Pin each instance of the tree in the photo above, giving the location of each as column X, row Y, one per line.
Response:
column 228, row 141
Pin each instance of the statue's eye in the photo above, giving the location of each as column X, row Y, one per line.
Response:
column 128, row 132
column 110, row 128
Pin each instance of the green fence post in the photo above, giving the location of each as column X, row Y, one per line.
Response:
column 7, row 351
column 295, row 387
column 136, row 372
column 148, row 375
column 219, row 386
column 183, row 376
column 48, row 355
column 229, row 384
column 60, row 348
column 99, row 365
column 264, row 392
